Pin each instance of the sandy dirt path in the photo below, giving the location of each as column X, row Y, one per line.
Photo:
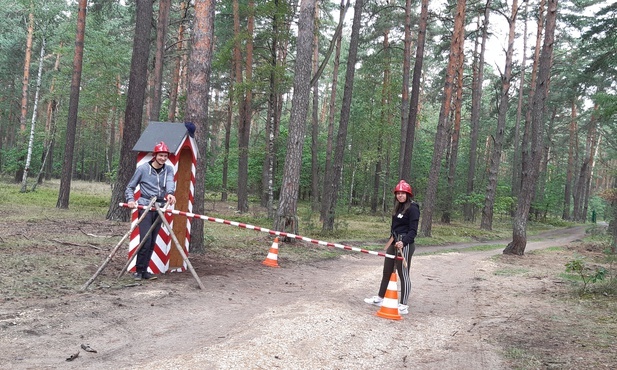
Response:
column 294, row 317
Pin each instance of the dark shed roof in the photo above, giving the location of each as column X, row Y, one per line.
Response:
column 171, row 133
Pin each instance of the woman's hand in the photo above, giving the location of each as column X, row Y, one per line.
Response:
column 399, row 244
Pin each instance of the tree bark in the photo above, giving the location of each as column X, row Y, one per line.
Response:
column 469, row 208
column 71, row 126
column 26, row 75
column 175, row 79
column 159, row 58
column 405, row 171
column 405, row 87
column 516, row 165
column 529, row 178
column 286, row 216
column 332, row 104
column 504, row 99
column 134, row 108
column 572, row 143
column 334, row 174
column 315, row 121
column 440, row 135
column 456, row 130
column 24, row 181
column 200, row 62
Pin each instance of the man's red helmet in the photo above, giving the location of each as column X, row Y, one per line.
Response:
column 404, row 187
column 161, row 148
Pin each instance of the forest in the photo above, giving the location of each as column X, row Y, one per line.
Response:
column 487, row 108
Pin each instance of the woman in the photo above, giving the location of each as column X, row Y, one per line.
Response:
column 403, row 232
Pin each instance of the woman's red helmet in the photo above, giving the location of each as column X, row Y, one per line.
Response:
column 404, row 187
column 161, row 148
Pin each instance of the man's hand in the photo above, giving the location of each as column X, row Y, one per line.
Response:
column 171, row 199
column 132, row 204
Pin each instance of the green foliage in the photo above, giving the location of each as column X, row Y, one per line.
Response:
column 585, row 274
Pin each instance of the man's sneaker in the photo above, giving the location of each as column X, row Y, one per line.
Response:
column 403, row 309
column 148, row 276
column 374, row 300
column 137, row 276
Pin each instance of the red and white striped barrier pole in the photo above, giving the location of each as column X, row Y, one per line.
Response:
column 271, row 232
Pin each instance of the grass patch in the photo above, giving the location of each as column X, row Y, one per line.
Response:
column 511, row 271
column 523, row 358
column 545, row 250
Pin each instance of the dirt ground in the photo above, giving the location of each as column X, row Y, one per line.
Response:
column 468, row 310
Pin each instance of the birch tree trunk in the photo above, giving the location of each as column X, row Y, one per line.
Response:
column 24, row 180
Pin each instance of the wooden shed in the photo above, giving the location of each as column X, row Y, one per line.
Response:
column 183, row 157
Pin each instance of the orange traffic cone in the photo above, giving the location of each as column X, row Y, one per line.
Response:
column 271, row 259
column 389, row 306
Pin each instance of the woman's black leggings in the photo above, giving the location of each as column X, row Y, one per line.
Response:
column 403, row 273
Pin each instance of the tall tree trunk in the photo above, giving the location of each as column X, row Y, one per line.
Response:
column 245, row 110
column 572, row 143
column 384, row 119
column 227, row 143
column 440, row 135
column 405, row 88
column 71, row 126
column 333, row 175
column 159, row 58
column 315, row 121
column 26, row 75
column 50, row 127
column 286, row 215
column 525, row 150
column 469, row 209
column 529, row 178
column 516, row 165
column 24, row 92
column 175, row 79
column 456, row 129
column 134, row 108
column 504, row 99
column 332, row 104
column 200, row 62
column 267, row 180
column 405, row 171
column 24, row 181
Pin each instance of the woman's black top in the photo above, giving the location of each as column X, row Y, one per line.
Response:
column 406, row 224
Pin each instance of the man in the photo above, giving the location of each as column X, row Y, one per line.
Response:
column 155, row 179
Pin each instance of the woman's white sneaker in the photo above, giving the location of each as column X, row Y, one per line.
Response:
column 403, row 309
column 374, row 300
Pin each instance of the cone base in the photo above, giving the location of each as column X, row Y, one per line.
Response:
column 390, row 316
column 270, row 263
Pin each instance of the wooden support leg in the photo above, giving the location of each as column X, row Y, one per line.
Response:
column 179, row 247
column 115, row 249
